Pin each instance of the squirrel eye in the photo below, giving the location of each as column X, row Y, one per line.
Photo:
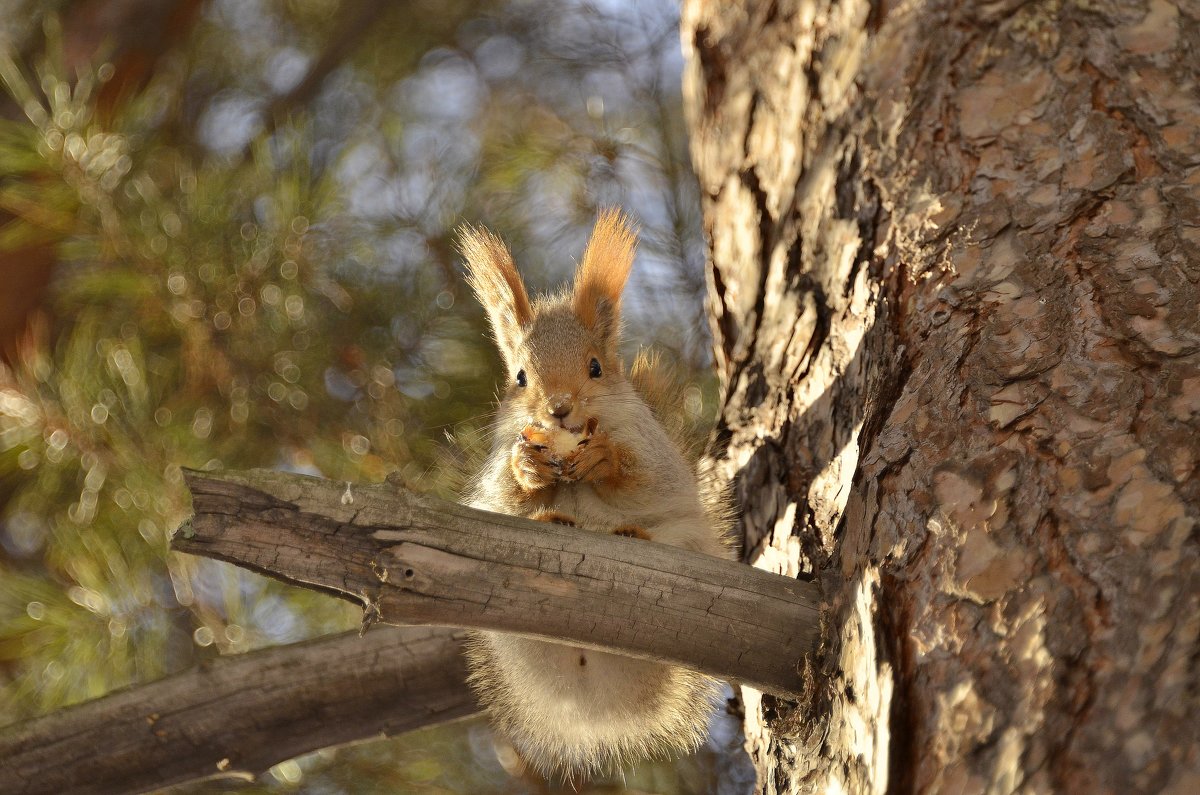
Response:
column 521, row 378
column 594, row 369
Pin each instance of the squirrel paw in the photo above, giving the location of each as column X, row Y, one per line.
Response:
column 596, row 459
column 632, row 531
column 554, row 517
column 534, row 466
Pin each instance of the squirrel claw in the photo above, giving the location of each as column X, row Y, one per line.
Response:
column 596, row 459
column 631, row 531
column 534, row 466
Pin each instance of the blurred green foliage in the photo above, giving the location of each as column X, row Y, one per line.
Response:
column 254, row 266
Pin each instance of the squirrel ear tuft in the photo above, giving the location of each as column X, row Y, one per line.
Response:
column 494, row 279
column 602, row 274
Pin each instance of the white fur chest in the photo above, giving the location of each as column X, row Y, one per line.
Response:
column 581, row 502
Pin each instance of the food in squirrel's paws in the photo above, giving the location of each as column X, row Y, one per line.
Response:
column 558, row 440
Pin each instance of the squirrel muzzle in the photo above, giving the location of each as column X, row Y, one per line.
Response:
column 560, row 405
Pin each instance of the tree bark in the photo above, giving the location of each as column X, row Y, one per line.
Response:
column 238, row 716
column 954, row 288
column 414, row 559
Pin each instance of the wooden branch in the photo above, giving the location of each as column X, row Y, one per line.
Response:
column 238, row 716
column 415, row 559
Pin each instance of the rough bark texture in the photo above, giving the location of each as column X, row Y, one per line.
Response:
column 240, row 715
column 414, row 559
column 954, row 287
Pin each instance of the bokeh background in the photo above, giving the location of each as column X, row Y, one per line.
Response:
column 227, row 241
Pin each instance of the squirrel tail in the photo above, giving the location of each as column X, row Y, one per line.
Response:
column 659, row 384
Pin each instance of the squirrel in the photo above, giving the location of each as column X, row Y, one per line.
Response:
column 577, row 444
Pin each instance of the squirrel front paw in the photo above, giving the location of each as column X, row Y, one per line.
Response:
column 597, row 459
column 534, row 465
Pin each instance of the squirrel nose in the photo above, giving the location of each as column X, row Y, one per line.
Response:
column 559, row 406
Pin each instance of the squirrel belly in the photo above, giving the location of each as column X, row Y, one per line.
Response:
column 571, row 710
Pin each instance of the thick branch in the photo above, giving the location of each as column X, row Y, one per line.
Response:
column 240, row 715
column 415, row 559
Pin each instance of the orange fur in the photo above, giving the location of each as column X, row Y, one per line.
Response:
column 533, row 467
column 632, row 531
column 601, row 461
column 496, row 282
column 553, row 517
column 604, row 268
column 656, row 381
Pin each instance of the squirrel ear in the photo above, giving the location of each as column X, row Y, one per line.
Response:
column 494, row 278
column 602, row 274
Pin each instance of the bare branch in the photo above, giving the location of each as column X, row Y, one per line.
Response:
column 405, row 558
column 415, row 559
column 239, row 715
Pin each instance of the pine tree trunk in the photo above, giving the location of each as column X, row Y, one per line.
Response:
column 954, row 294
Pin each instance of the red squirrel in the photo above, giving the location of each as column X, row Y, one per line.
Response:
column 578, row 444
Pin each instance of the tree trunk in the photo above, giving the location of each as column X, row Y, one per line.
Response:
column 954, row 291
